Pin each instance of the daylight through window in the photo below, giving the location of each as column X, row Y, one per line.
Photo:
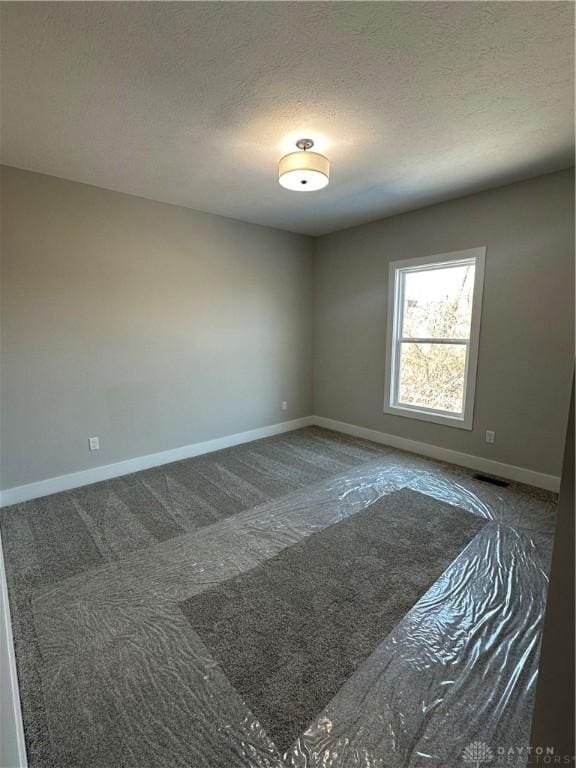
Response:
column 433, row 330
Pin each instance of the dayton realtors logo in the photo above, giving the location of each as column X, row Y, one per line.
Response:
column 477, row 753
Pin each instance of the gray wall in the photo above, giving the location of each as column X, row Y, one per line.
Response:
column 149, row 325
column 553, row 723
column 154, row 326
column 526, row 341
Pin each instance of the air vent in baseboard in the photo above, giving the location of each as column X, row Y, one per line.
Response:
column 492, row 480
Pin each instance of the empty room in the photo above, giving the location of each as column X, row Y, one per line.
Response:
column 286, row 384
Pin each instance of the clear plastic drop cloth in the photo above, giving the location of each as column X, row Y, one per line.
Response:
column 454, row 677
column 458, row 672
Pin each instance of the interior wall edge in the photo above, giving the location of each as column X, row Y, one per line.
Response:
column 554, row 719
column 66, row 482
column 12, row 744
column 488, row 466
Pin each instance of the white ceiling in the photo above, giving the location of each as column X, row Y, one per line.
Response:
column 194, row 103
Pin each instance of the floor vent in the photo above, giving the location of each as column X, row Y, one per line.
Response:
column 493, row 480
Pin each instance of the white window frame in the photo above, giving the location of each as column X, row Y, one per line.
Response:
column 393, row 339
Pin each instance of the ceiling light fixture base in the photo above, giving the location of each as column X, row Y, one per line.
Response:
column 304, row 144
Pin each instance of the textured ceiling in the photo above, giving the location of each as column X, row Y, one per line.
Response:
column 193, row 103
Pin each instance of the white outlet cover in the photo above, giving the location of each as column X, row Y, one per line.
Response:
column 93, row 443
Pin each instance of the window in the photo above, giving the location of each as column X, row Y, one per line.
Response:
column 434, row 308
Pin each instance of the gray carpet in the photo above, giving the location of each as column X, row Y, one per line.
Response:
column 114, row 675
column 51, row 539
column 290, row 632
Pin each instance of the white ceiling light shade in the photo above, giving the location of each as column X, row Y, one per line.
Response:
column 304, row 171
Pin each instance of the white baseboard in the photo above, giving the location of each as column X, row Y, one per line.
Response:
column 76, row 479
column 85, row 477
column 12, row 744
column 488, row 466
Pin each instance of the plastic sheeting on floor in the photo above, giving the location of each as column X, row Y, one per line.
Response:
column 455, row 679
column 451, row 685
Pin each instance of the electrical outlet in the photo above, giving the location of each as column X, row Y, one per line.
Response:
column 284, row 405
column 94, row 443
column 490, row 436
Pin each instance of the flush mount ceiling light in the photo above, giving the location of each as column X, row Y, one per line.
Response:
column 304, row 171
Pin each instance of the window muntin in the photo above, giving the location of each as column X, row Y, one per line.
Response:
column 433, row 332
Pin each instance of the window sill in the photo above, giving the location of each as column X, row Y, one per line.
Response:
column 436, row 418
